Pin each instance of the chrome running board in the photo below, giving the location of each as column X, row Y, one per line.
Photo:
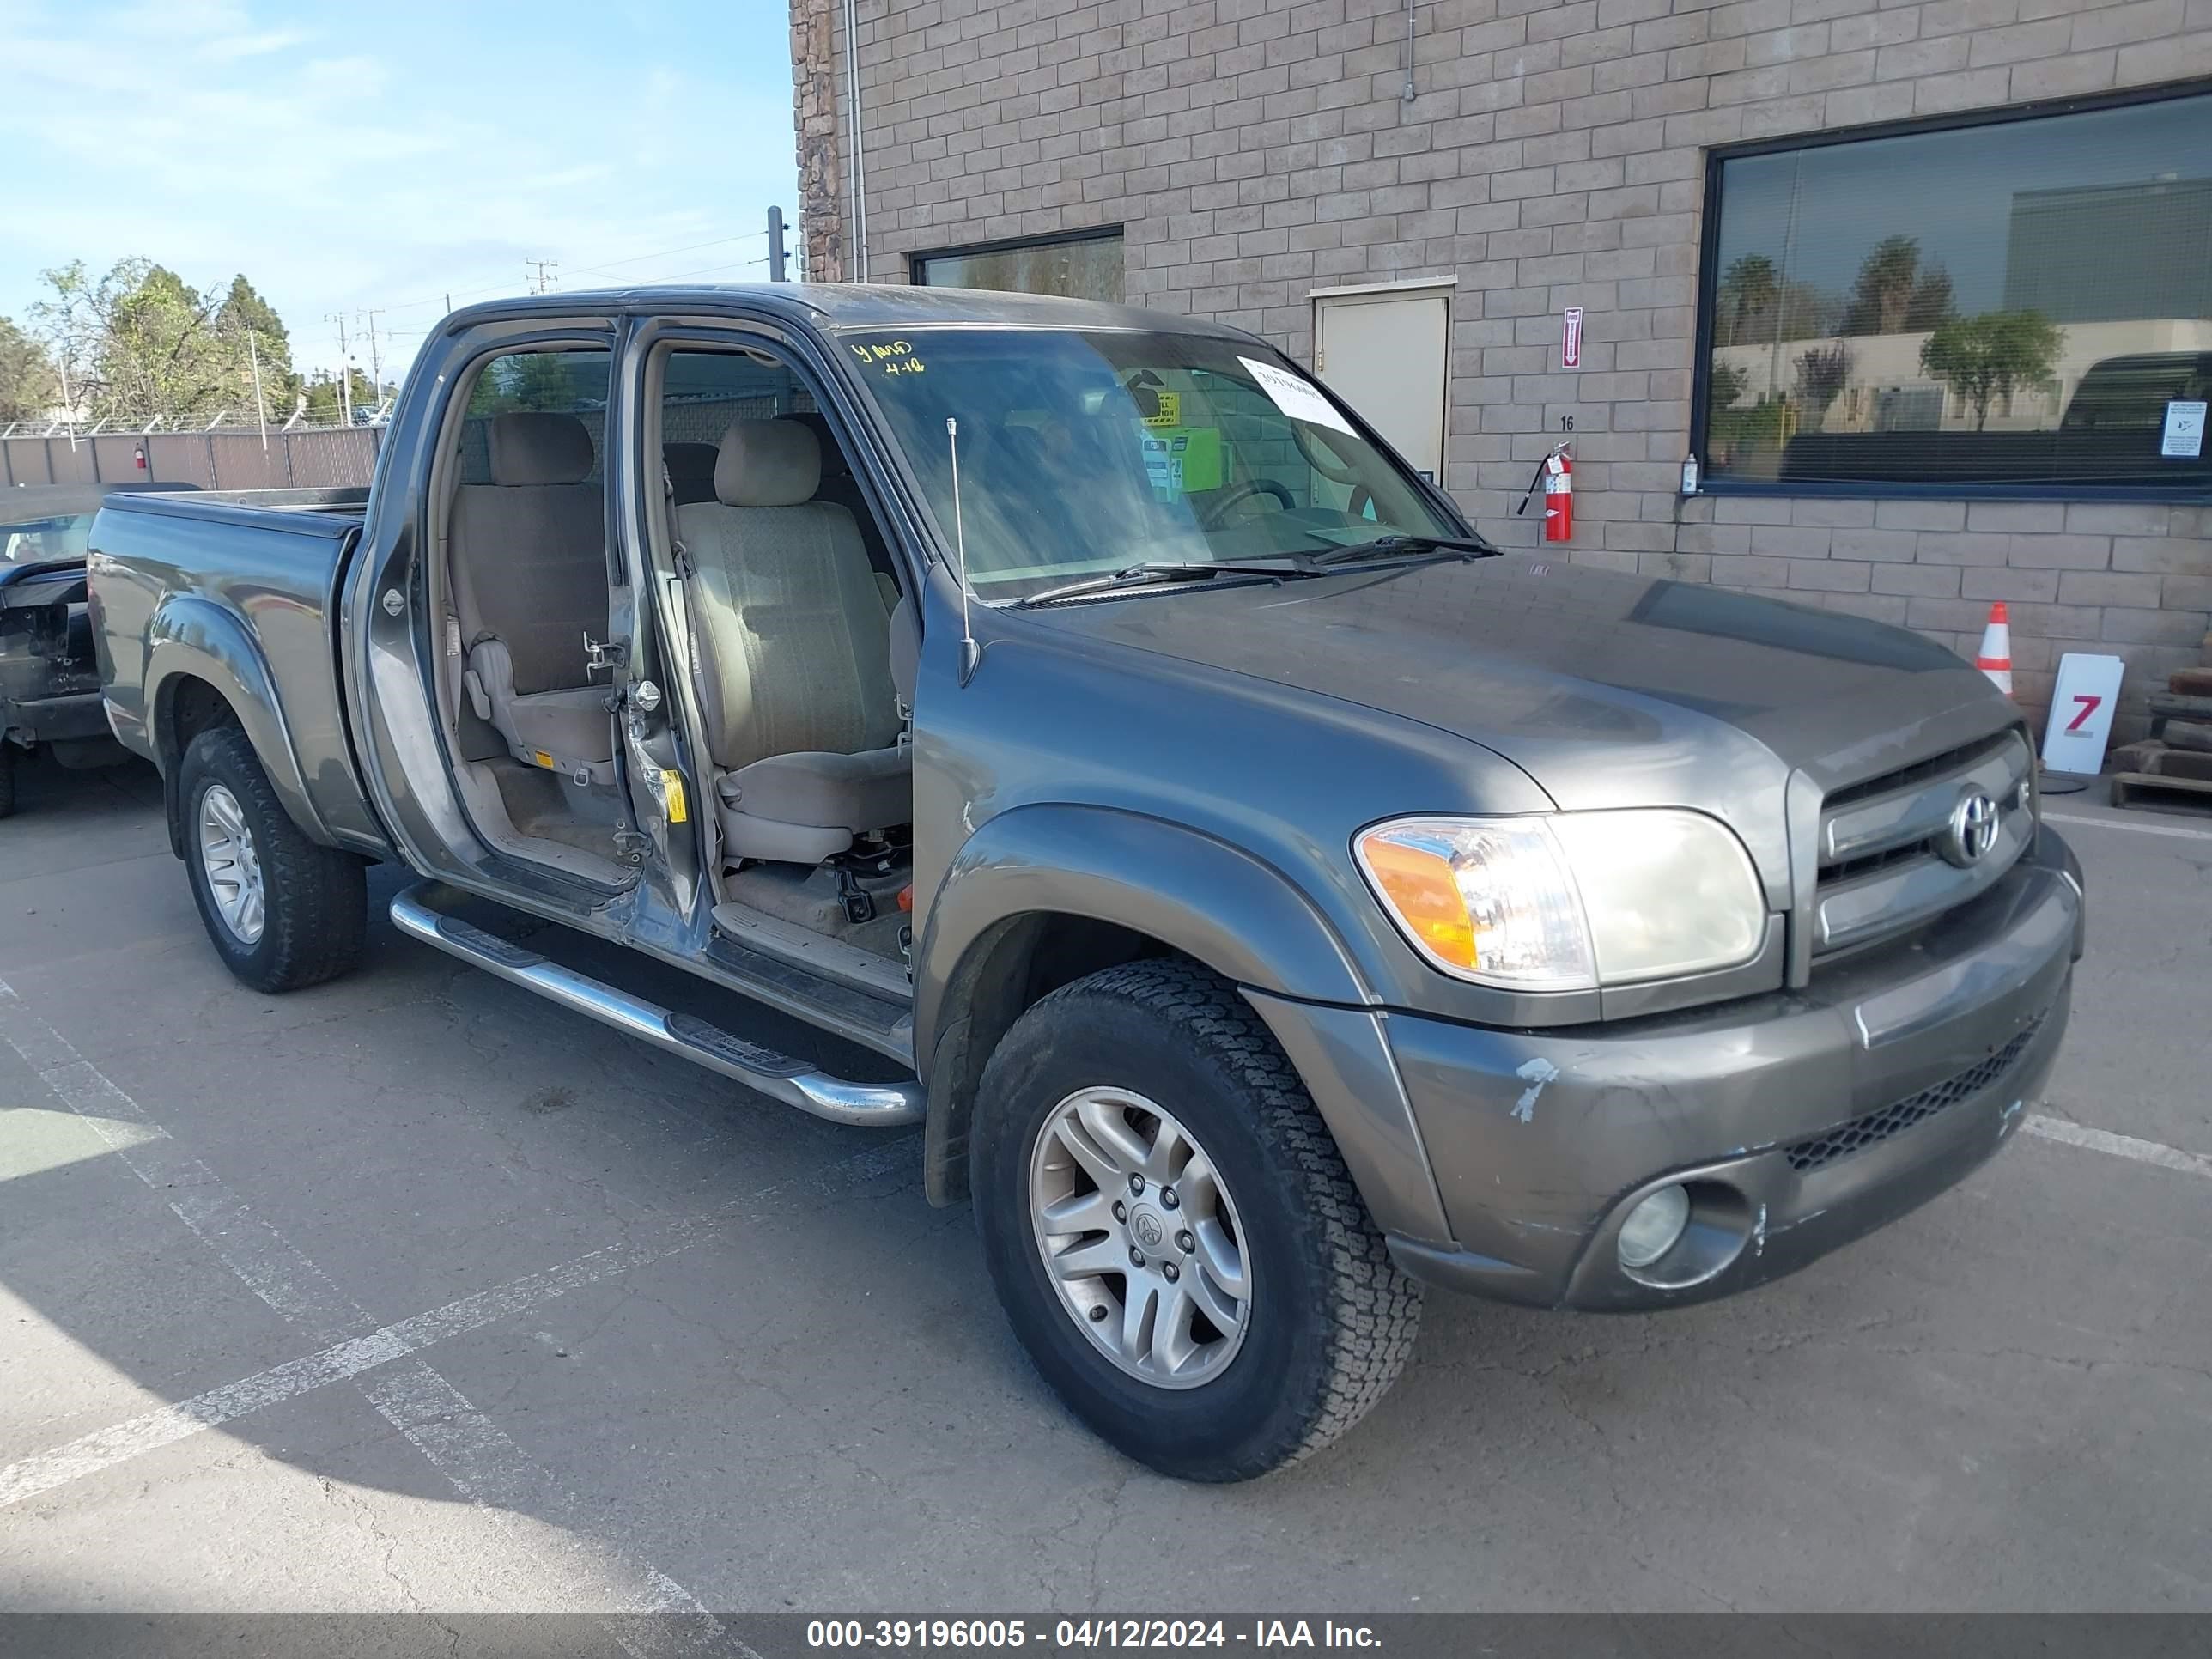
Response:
column 795, row 1082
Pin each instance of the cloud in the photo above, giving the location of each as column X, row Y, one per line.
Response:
column 228, row 48
column 436, row 154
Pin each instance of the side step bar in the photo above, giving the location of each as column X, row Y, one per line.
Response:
column 795, row 1082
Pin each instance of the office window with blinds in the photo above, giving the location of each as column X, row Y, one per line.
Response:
column 2008, row 303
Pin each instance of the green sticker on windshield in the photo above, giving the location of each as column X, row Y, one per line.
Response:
column 1182, row 460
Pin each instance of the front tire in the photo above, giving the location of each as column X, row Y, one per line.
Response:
column 1172, row 1231
column 281, row 911
column 7, row 779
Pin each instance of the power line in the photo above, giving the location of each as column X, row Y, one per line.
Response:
column 446, row 298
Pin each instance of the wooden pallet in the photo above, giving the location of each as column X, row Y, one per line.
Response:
column 2145, row 789
column 2173, row 705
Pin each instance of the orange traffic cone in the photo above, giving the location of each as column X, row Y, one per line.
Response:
column 1995, row 658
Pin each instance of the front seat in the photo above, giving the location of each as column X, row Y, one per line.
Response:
column 803, row 721
column 529, row 564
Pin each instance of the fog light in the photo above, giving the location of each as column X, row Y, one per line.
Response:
column 1654, row 1226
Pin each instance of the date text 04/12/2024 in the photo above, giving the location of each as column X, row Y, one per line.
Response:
column 1084, row 1634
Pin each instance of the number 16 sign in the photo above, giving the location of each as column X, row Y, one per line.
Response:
column 2082, row 714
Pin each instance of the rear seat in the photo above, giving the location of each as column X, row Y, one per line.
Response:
column 529, row 563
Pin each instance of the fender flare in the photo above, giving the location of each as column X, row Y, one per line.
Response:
column 196, row 638
column 1213, row 902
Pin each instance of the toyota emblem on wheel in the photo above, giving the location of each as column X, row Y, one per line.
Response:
column 1972, row 830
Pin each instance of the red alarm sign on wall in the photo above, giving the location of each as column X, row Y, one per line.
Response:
column 1571, row 337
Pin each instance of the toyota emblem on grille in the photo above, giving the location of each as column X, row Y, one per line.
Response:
column 1972, row 830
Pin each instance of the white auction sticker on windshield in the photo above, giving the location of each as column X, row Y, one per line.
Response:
column 1296, row 399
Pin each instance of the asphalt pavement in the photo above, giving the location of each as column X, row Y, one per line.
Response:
column 413, row 1292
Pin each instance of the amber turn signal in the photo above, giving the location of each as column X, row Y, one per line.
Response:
column 1421, row 887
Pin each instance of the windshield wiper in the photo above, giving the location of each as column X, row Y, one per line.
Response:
column 1388, row 547
column 1146, row 575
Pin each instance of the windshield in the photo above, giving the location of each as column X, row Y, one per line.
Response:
column 37, row 540
column 1087, row 451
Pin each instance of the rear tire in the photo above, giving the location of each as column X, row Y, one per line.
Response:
column 1323, row 1320
column 281, row 911
column 7, row 779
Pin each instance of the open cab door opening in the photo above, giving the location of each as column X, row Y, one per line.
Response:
column 770, row 567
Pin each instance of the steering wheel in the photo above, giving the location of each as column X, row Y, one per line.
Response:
column 1244, row 492
column 1322, row 458
column 1356, row 504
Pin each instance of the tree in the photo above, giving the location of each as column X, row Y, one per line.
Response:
column 1748, row 290
column 1930, row 305
column 1822, row 372
column 245, row 314
column 324, row 407
column 160, row 354
column 29, row 386
column 141, row 343
column 530, row 381
column 1988, row 356
column 1892, row 294
column 1726, row 383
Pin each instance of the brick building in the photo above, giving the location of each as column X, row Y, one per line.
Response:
column 1925, row 289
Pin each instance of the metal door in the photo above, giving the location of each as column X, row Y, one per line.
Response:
column 1385, row 351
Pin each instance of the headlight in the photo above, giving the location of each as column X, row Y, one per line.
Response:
column 1567, row 901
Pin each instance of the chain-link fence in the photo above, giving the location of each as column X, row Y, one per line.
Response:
column 223, row 458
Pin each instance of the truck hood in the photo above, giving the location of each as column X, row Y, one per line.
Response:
column 1608, row 690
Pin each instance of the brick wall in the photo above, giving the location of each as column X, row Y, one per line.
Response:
column 1552, row 154
column 815, row 118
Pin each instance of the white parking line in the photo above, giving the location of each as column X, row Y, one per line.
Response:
column 2121, row 823
column 482, row 1462
column 2127, row 1146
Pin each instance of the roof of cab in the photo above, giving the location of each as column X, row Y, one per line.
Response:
column 855, row 305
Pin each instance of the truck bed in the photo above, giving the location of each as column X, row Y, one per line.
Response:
column 325, row 512
column 212, row 584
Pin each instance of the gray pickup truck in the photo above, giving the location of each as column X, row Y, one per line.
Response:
column 1267, row 895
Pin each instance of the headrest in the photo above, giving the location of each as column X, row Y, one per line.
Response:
column 539, row 448
column 767, row 463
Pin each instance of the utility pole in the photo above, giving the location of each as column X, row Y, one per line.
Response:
column 775, row 248
column 260, row 408
column 544, row 281
column 376, row 357
column 345, row 371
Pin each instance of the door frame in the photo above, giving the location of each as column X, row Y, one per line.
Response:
column 645, row 534
column 393, row 666
column 1446, row 288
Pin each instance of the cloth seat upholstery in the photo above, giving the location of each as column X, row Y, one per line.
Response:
column 803, row 723
column 528, row 559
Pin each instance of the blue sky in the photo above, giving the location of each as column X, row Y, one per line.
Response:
column 348, row 156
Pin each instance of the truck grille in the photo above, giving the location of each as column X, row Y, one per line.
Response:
column 1889, row 856
column 1818, row 1151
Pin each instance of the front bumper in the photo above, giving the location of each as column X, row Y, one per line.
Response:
column 1799, row 1120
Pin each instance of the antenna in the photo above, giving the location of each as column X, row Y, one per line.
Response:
column 970, row 652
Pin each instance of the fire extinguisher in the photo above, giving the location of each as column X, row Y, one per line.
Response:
column 1556, row 473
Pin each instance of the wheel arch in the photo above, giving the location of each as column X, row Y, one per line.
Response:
column 1043, row 895
column 204, row 671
